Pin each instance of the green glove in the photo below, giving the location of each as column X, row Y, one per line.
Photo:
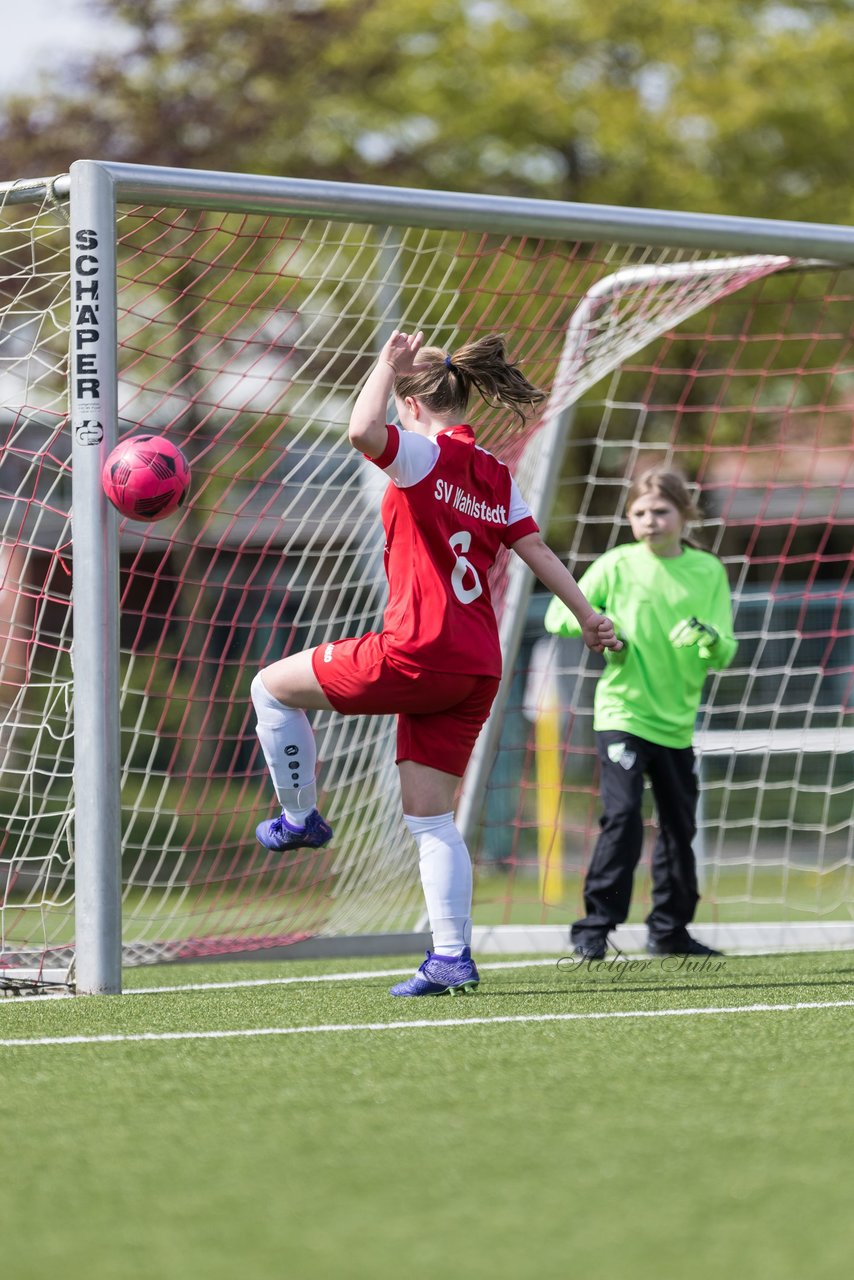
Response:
column 691, row 631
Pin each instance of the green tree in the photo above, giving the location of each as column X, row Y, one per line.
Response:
column 741, row 106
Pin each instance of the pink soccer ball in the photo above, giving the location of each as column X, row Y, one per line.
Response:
column 146, row 477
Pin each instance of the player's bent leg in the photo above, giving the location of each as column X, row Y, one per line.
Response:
column 279, row 694
column 292, row 682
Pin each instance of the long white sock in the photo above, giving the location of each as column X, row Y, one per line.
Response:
column 289, row 748
column 445, row 868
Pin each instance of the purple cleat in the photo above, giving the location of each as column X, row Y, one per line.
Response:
column 279, row 834
column 441, row 975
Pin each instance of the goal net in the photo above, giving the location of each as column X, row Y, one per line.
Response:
column 749, row 399
column 245, row 327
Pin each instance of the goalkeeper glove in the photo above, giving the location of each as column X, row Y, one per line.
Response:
column 691, row 631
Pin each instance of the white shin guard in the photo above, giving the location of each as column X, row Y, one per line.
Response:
column 446, row 878
column 288, row 744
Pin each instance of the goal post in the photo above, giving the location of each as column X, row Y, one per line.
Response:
column 237, row 315
column 93, row 404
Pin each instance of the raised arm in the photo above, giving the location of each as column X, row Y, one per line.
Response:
column 596, row 630
column 367, row 431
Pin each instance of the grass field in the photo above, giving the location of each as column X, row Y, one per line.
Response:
column 649, row 1121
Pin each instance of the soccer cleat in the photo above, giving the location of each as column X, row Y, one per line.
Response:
column 279, row 834
column 591, row 948
column 441, row 975
column 685, row 946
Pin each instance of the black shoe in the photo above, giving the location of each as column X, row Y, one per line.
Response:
column 686, row 946
column 593, row 949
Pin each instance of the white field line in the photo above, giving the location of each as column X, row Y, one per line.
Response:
column 328, row 977
column 13, row 1001
column 279, row 982
column 425, row 1024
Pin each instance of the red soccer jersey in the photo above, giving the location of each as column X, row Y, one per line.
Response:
column 443, row 534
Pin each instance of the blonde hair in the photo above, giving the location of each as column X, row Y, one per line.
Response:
column 673, row 487
column 444, row 382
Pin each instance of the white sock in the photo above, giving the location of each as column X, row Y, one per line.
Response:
column 445, row 868
column 287, row 741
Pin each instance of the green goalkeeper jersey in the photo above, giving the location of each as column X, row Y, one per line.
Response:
column 653, row 689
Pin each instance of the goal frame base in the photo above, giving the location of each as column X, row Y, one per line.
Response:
column 732, row 939
column 550, row 939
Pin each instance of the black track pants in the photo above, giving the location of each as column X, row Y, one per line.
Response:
column 624, row 760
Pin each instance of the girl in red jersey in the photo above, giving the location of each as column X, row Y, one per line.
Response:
column 436, row 664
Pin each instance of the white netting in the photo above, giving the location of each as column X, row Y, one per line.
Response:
column 36, row 750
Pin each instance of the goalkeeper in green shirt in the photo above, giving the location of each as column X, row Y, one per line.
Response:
column 670, row 604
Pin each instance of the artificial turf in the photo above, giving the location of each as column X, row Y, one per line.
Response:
column 662, row 1143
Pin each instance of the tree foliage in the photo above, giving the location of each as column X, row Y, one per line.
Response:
column 741, row 106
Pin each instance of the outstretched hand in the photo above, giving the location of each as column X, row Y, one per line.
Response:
column 599, row 634
column 400, row 351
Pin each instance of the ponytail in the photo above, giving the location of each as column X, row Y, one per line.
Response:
column 444, row 381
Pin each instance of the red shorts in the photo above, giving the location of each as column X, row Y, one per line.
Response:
column 439, row 714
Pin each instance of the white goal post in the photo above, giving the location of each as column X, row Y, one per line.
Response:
column 237, row 314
